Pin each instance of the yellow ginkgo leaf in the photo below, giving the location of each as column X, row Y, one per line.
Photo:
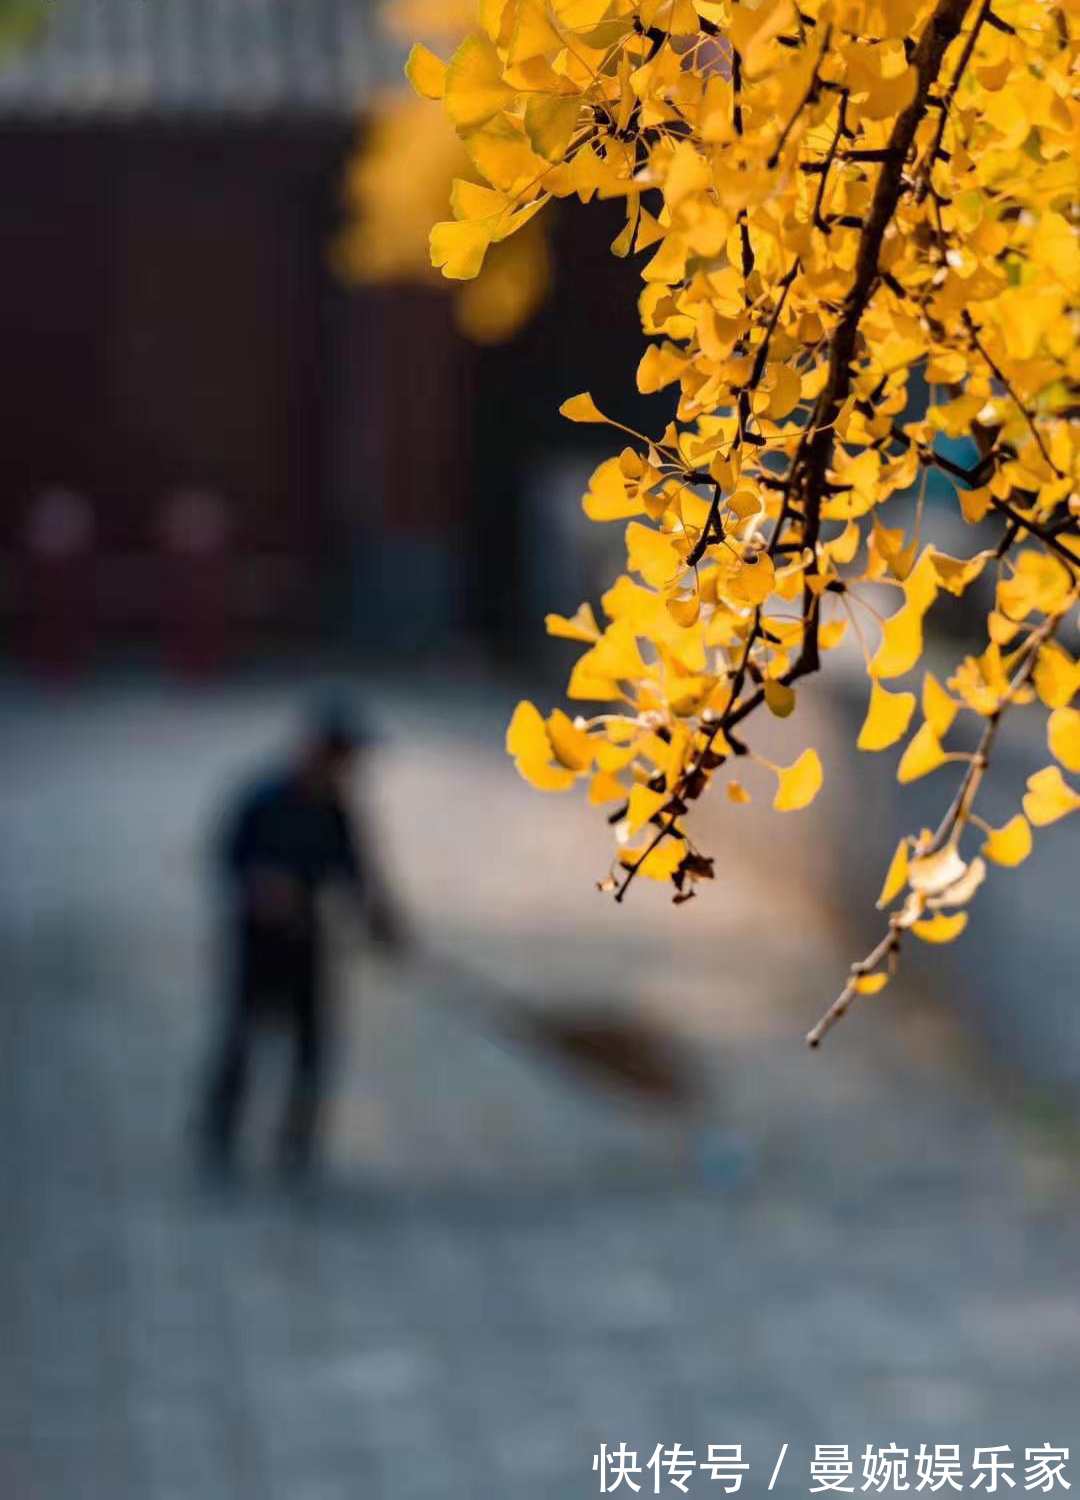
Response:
column 581, row 409
column 533, row 33
column 939, row 710
column 526, row 734
column 604, row 788
column 660, row 366
column 545, row 777
column 887, row 718
column 744, row 504
column 608, row 498
column 901, row 643
column 890, row 95
column 580, row 626
column 616, row 653
column 588, row 684
column 895, row 876
column 921, row 584
column 474, row 89
column 458, row 248
column 785, row 392
column 550, row 122
column 660, row 864
column 955, row 573
column 472, row 200
column 753, row 581
column 973, row 504
column 426, row 72
column 649, row 231
column 940, row 928
column 614, row 758
column 501, row 153
column 779, row 697
column 684, row 609
column 1000, row 630
column 623, row 242
column 644, row 805
column 1010, row 845
column 528, row 742
column 1049, row 797
column 844, row 547
column 871, row 984
column 1063, row 735
column 923, row 755
column 799, row 784
column 572, row 746
column 960, row 892
column 933, row 873
column 1057, row 676
column 737, row 792
column 651, row 554
column 687, row 174
column 491, row 15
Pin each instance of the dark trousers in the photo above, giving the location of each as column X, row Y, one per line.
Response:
column 274, row 983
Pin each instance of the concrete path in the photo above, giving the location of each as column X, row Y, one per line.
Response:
column 498, row 1272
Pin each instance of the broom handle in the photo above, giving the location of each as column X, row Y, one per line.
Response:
column 485, row 1001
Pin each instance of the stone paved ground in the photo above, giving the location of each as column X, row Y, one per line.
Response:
column 499, row 1272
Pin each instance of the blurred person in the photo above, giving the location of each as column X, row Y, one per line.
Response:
column 287, row 838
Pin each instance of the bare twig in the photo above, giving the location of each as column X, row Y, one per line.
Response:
column 889, row 945
column 956, row 814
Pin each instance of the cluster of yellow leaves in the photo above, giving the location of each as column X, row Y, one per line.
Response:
column 397, row 181
column 859, row 240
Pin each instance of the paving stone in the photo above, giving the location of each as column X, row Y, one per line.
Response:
column 498, row 1271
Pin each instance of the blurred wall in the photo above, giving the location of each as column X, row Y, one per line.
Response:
column 171, row 324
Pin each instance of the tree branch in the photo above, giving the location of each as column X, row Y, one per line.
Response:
column 809, row 468
column 957, row 813
column 923, row 181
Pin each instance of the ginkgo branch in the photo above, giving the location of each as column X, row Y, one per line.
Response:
column 956, row 815
column 815, row 256
column 923, row 180
column 886, row 949
column 980, row 760
column 1041, row 533
column 999, row 374
column 809, row 97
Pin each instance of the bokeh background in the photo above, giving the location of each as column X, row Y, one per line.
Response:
column 250, row 448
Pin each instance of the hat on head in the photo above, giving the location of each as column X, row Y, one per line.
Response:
column 335, row 725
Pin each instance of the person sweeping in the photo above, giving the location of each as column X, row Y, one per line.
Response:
column 287, row 838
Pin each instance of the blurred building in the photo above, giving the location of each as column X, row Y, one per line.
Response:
column 181, row 365
column 169, row 324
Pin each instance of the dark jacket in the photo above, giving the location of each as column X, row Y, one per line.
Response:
column 282, row 828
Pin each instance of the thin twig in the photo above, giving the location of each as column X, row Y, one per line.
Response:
column 998, row 373
column 956, row 814
column 925, row 171
column 810, row 97
column 888, row 945
column 1048, row 538
column 976, row 770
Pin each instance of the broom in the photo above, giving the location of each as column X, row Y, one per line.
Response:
column 625, row 1053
